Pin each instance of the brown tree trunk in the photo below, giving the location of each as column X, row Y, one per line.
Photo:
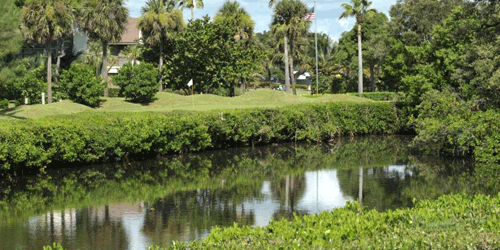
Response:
column 360, row 63
column 49, row 72
column 291, row 67
column 161, row 66
column 287, row 69
column 372, row 76
column 60, row 55
column 104, row 70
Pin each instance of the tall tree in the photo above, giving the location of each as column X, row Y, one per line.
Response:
column 358, row 9
column 240, row 21
column 104, row 21
column 10, row 35
column 158, row 23
column 288, row 21
column 191, row 4
column 45, row 21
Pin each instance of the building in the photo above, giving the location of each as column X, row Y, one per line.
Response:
column 130, row 37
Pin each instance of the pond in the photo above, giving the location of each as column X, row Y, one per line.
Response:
column 136, row 204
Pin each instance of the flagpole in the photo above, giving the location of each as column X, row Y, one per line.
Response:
column 316, row 46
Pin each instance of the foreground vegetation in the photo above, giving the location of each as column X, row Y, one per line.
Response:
column 450, row 222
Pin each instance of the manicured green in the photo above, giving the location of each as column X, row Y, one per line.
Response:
column 450, row 222
column 169, row 101
column 103, row 136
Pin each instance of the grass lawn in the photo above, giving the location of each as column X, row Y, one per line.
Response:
column 167, row 102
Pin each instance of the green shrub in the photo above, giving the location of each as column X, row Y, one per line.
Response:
column 114, row 92
column 380, row 96
column 104, row 136
column 138, row 83
column 81, row 85
column 4, row 104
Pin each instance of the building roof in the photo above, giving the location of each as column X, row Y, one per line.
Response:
column 131, row 34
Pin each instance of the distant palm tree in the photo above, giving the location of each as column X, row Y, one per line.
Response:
column 158, row 23
column 191, row 4
column 288, row 22
column 104, row 21
column 133, row 53
column 231, row 13
column 358, row 9
column 45, row 21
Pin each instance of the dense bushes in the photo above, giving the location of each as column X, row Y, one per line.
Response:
column 93, row 137
column 4, row 104
column 449, row 126
column 82, row 86
column 450, row 222
column 380, row 96
column 138, row 83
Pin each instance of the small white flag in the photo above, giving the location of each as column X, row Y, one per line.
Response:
column 190, row 83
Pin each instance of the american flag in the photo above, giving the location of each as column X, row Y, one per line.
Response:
column 311, row 15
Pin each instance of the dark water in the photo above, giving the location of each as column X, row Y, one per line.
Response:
column 133, row 205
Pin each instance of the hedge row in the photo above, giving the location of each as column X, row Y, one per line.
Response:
column 106, row 136
column 380, row 96
column 450, row 222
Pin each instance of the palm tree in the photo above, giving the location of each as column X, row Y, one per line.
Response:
column 358, row 9
column 231, row 13
column 288, row 21
column 158, row 23
column 191, row 4
column 133, row 53
column 104, row 21
column 45, row 21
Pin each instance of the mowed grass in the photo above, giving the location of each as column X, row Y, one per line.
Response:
column 168, row 101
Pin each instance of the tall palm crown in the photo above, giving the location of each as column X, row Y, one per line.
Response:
column 233, row 14
column 159, row 20
column 104, row 20
column 191, row 4
column 358, row 9
column 288, row 22
column 45, row 21
column 158, row 23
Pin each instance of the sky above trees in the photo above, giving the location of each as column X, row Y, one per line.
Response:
column 328, row 12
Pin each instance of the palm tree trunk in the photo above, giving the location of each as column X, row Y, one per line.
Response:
column 287, row 69
column 291, row 67
column 161, row 66
column 49, row 72
column 372, row 76
column 104, row 70
column 360, row 62
column 192, row 12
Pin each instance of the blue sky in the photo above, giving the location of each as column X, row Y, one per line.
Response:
column 327, row 13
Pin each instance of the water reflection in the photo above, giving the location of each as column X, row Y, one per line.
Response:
column 246, row 187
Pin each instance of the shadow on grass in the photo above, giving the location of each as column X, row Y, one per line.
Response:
column 143, row 102
column 11, row 113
